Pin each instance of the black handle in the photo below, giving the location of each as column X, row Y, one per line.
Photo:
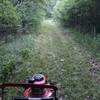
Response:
column 4, row 85
column 23, row 85
column 51, row 98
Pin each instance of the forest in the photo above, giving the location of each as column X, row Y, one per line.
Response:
column 60, row 38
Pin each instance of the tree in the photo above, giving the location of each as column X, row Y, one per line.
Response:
column 31, row 13
column 22, row 16
column 8, row 18
column 84, row 14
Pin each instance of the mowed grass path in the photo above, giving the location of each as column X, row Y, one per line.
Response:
column 64, row 61
column 56, row 54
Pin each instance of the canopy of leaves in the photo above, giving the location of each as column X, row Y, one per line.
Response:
column 84, row 14
column 8, row 17
column 23, row 15
column 31, row 13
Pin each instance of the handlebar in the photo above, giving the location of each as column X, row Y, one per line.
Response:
column 51, row 98
column 24, row 85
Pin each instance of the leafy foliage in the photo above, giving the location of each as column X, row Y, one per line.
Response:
column 31, row 13
column 22, row 16
column 7, row 71
column 83, row 14
column 8, row 18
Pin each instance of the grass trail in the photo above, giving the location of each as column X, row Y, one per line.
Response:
column 56, row 54
column 63, row 60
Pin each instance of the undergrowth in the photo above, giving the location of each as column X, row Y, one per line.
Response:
column 89, row 42
column 57, row 55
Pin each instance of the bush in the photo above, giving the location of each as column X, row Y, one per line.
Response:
column 84, row 14
column 7, row 71
column 31, row 13
column 23, row 16
column 8, row 18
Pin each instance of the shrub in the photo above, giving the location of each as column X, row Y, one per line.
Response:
column 8, row 18
column 84, row 14
column 7, row 71
column 31, row 13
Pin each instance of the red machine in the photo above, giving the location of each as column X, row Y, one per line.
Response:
column 35, row 88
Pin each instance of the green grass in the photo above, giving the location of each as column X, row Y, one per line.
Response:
column 55, row 54
column 90, row 42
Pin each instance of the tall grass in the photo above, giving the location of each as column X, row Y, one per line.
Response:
column 89, row 42
column 58, row 56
